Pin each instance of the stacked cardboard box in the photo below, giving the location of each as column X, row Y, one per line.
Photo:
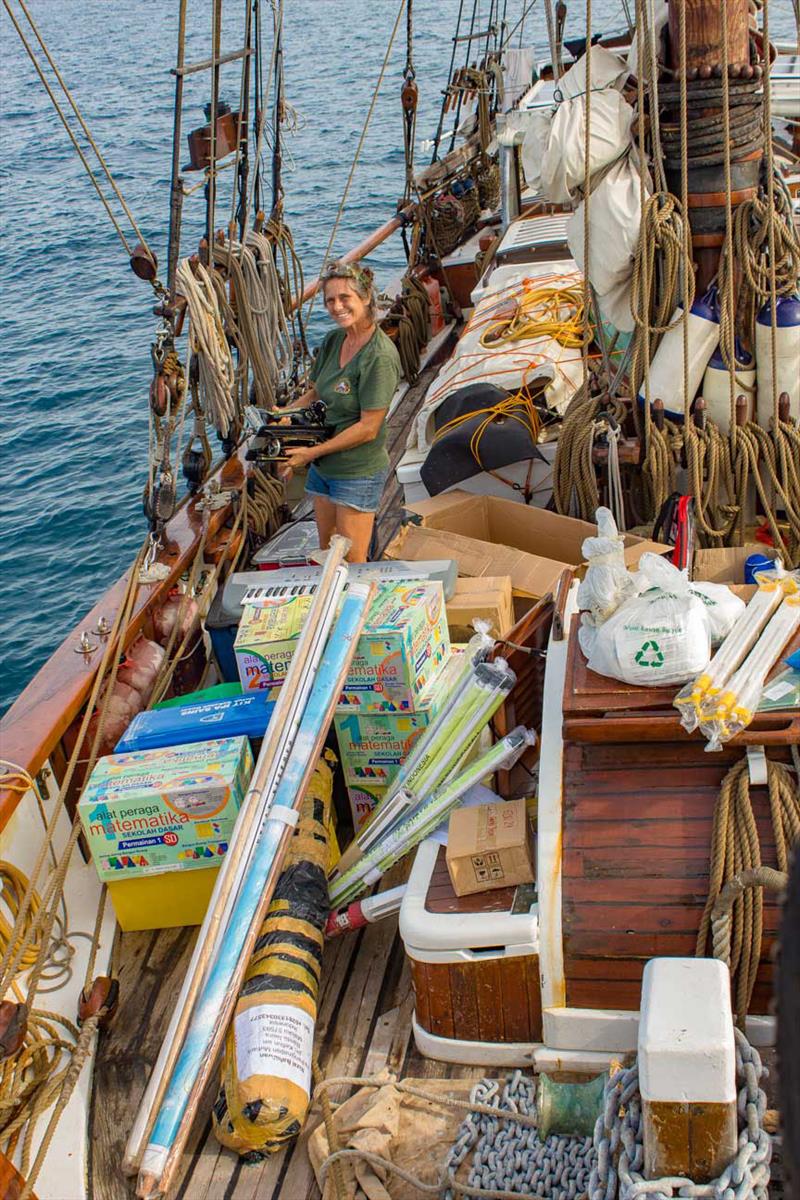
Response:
column 390, row 694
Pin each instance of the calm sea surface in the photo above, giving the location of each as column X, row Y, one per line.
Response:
column 78, row 324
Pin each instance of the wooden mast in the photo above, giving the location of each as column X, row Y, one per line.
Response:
column 706, row 22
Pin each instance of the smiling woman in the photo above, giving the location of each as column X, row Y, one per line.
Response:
column 355, row 375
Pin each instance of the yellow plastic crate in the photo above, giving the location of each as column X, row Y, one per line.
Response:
column 163, row 901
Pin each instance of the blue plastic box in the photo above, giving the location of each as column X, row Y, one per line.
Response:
column 238, row 716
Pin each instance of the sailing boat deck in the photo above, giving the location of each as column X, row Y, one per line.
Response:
column 363, row 1027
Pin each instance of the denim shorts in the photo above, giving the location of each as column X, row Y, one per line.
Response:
column 364, row 495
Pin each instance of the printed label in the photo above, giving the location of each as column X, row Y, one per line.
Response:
column 275, row 1039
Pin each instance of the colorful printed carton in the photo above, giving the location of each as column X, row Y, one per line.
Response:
column 170, row 809
column 362, row 802
column 373, row 746
column 266, row 641
column 403, row 647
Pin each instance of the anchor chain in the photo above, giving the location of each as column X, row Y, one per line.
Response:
column 511, row 1158
column 618, row 1139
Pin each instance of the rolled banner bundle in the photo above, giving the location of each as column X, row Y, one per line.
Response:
column 727, row 714
column 475, row 696
column 265, row 1076
column 427, row 816
column 746, row 631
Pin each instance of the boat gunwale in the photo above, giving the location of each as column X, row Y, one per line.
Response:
column 31, row 728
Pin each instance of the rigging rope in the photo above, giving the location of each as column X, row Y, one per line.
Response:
column 359, row 147
column 736, row 847
column 208, row 343
column 158, row 287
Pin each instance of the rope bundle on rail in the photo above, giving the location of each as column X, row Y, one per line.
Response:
column 736, row 847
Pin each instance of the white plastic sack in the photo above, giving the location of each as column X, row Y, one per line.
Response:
column 615, row 214
column 660, row 637
column 722, row 608
column 562, row 167
column 607, row 582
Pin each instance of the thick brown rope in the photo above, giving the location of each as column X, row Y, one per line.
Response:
column 735, row 847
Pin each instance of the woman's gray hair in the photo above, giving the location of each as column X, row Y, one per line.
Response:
column 360, row 279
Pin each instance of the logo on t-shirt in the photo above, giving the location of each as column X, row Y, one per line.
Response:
column 343, row 387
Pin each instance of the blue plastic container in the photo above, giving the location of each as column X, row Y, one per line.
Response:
column 238, row 716
column 755, row 564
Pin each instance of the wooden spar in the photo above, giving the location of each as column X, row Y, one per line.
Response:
column 361, row 250
column 706, row 22
column 216, row 1003
column 275, row 748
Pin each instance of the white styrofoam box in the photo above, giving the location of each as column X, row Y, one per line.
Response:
column 459, row 937
column 483, row 484
column 686, row 1045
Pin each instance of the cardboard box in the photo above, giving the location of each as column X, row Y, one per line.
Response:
column 726, row 564
column 489, row 847
column 404, row 646
column 373, row 746
column 487, row 599
column 266, row 641
column 362, row 802
column 171, row 809
column 488, row 536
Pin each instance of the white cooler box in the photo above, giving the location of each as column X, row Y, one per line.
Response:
column 475, row 967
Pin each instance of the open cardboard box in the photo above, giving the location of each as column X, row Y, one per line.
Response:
column 726, row 564
column 489, row 536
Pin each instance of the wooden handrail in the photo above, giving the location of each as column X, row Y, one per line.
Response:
column 36, row 721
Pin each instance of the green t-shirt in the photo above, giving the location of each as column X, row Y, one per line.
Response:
column 368, row 381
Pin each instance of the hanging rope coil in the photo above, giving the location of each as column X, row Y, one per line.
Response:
column 209, row 344
column 735, row 847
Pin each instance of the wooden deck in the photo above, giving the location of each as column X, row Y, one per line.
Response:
column 363, row 1026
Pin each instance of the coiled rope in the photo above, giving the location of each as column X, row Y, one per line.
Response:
column 555, row 312
column 735, row 847
column 208, row 343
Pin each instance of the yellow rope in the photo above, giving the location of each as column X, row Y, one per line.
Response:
column 541, row 313
column 14, row 886
column 519, row 408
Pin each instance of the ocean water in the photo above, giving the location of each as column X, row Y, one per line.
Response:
column 77, row 324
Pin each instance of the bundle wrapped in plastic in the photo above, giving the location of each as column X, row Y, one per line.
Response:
column 266, row 1065
column 607, row 581
column 725, row 715
column 659, row 637
column 738, row 643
